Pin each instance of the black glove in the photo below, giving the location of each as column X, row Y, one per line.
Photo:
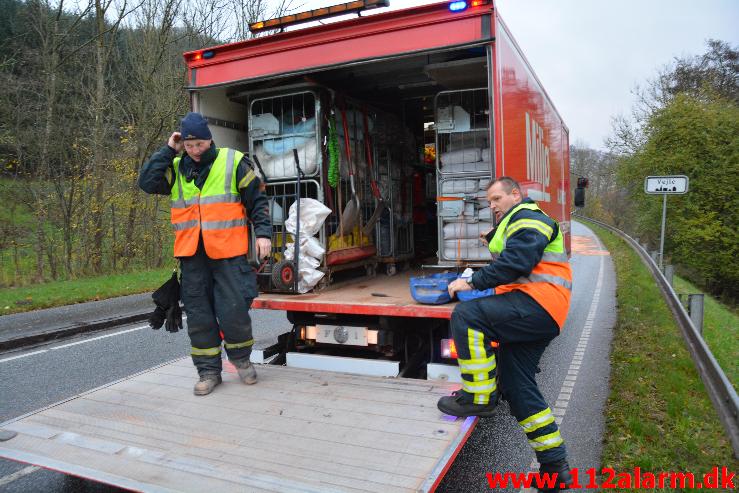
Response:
column 156, row 319
column 167, row 300
column 174, row 318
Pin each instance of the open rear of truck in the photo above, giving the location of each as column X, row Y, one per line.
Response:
column 395, row 123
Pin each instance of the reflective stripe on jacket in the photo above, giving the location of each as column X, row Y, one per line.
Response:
column 215, row 211
column 550, row 282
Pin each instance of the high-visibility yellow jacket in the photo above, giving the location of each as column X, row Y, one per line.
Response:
column 215, row 211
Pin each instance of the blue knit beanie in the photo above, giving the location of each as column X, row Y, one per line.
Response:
column 194, row 126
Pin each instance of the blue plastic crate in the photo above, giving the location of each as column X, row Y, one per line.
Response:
column 433, row 289
column 474, row 293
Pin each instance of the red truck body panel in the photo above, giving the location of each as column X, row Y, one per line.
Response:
column 388, row 34
column 532, row 143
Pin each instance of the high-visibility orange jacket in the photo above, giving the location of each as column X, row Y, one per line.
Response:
column 215, row 210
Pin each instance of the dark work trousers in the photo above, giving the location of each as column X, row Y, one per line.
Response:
column 523, row 329
column 217, row 295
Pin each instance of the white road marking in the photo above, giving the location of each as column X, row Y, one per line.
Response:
column 22, row 355
column 99, row 337
column 563, row 400
column 33, row 353
column 18, row 474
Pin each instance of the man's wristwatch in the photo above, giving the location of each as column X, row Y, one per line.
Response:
column 469, row 283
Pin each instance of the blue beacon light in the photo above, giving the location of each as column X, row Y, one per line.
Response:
column 458, row 6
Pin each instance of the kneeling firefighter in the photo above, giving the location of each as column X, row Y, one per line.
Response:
column 213, row 192
column 533, row 281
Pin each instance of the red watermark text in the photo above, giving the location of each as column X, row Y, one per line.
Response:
column 717, row 478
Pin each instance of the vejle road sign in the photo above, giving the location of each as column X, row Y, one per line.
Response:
column 675, row 184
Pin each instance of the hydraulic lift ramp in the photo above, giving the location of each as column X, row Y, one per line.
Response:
column 297, row 430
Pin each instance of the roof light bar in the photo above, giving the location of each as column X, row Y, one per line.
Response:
column 460, row 5
column 316, row 14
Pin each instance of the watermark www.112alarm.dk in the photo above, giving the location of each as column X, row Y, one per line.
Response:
column 718, row 478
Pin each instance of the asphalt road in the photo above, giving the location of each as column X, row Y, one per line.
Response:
column 574, row 380
column 47, row 374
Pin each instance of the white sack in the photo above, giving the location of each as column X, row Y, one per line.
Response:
column 312, row 215
column 478, row 167
column 469, row 155
column 460, row 186
column 308, row 279
column 464, row 230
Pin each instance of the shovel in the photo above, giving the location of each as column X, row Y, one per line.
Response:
column 350, row 214
column 381, row 204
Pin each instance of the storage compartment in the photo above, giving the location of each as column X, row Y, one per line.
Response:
column 464, row 169
column 389, row 139
column 279, row 124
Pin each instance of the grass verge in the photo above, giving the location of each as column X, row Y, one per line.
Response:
column 58, row 293
column 720, row 330
column 658, row 415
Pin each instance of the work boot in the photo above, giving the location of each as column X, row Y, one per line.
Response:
column 460, row 404
column 206, row 384
column 564, row 477
column 247, row 372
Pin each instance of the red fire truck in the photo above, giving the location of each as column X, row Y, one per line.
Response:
column 389, row 126
column 425, row 105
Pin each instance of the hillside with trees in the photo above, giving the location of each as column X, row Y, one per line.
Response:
column 87, row 93
column 685, row 122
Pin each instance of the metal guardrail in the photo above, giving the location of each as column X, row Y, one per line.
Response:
column 720, row 390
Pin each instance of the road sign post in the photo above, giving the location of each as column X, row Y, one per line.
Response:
column 665, row 185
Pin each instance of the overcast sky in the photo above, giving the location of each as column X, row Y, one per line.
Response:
column 590, row 54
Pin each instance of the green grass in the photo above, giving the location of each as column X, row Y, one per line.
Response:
column 658, row 415
column 720, row 330
column 14, row 300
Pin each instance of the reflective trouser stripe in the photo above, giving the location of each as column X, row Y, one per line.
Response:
column 473, row 366
column 475, row 344
column 487, row 386
column 239, row 345
column 480, row 390
column 545, row 442
column 538, row 420
column 211, row 351
column 480, row 367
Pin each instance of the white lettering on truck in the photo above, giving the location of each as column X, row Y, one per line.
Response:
column 537, row 154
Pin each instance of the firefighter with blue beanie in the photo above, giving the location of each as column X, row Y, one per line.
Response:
column 214, row 194
column 533, row 281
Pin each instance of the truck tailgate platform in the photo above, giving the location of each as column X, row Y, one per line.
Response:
column 380, row 295
column 295, row 431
